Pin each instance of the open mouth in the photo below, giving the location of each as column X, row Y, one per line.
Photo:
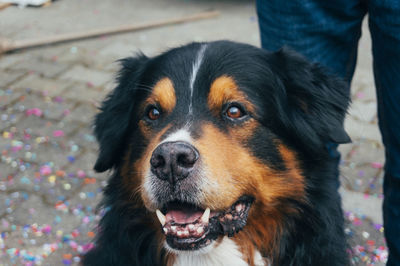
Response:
column 188, row 227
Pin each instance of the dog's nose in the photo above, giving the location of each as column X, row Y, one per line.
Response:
column 173, row 161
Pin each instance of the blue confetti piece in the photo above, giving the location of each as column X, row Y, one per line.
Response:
column 71, row 158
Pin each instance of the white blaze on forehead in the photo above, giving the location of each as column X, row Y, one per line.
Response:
column 195, row 69
column 180, row 135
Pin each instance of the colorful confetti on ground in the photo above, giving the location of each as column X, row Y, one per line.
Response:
column 48, row 192
column 366, row 240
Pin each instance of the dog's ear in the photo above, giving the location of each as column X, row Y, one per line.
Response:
column 313, row 104
column 112, row 124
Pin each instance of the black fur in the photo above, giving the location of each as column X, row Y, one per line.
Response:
column 296, row 103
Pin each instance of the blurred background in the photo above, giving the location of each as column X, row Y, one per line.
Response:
column 49, row 95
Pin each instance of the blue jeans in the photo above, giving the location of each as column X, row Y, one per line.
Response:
column 328, row 32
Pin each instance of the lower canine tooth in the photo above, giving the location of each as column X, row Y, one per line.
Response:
column 200, row 230
column 206, row 216
column 165, row 230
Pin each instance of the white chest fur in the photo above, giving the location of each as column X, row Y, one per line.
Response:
column 226, row 253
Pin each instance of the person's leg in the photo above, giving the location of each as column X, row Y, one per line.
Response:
column 384, row 23
column 326, row 32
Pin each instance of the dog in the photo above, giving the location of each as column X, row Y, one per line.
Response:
column 219, row 156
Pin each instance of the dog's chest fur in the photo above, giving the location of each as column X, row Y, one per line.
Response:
column 226, row 253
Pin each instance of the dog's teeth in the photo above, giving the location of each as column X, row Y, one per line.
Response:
column 239, row 207
column 165, row 230
column 161, row 217
column 191, row 227
column 186, row 233
column 173, row 228
column 206, row 216
column 179, row 233
column 200, row 230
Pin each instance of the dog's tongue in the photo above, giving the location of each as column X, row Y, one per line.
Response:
column 183, row 216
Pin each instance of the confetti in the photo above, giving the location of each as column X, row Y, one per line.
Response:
column 376, row 165
column 81, row 174
column 45, row 170
column 34, row 111
column 58, row 133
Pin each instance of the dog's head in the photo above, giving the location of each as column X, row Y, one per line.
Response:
column 211, row 137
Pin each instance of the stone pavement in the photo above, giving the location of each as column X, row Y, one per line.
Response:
column 48, row 96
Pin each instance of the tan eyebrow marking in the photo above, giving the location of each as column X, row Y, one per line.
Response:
column 163, row 94
column 224, row 89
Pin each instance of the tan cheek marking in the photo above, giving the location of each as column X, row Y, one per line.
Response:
column 235, row 171
column 243, row 133
column 262, row 233
column 223, row 90
column 292, row 165
column 231, row 170
column 266, row 218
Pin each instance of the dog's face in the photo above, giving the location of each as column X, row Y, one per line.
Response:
column 211, row 138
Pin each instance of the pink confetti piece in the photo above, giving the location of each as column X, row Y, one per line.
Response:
column 46, row 229
column 34, row 111
column 5, row 224
column 58, row 133
column 376, row 165
column 85, row 220
column 73, row 244
column 66, row 112
column 88, row 246
column 58, row 99
column 81, row 174
column 45, row 170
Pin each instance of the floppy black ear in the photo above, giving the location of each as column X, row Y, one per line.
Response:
column 112, row 124
column 314, row 103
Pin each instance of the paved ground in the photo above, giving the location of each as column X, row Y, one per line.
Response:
column 48, row 96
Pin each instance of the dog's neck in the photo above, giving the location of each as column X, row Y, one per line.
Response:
column 224, row 253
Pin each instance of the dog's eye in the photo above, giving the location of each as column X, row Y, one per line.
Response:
column 235, row 112
column 153, row 113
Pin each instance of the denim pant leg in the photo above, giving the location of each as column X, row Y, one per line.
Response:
column 384, row 23
column 326, row 32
